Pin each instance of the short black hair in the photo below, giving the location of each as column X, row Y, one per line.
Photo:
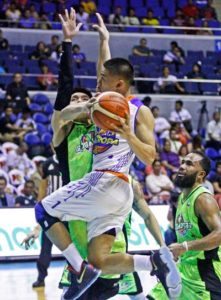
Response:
column 122, row 67
column 29, row 181
column 174, row 43
column 147, row 101
column 180, row 102
column 154, row 107
column 156, row 161
column 83, row 91
column 205, row 161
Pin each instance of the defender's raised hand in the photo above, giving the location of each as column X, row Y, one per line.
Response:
column 101, row 28
column 69, row 26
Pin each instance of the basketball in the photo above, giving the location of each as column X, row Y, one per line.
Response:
column 108, row 108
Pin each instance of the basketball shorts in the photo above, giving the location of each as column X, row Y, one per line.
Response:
column 101, row 199
column 201, row 281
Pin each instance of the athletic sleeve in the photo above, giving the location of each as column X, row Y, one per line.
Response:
column 45, row 169
column 66, row 77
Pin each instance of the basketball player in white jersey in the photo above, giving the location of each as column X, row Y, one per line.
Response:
column 104, row 197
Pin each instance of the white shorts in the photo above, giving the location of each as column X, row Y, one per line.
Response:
column 101, row 199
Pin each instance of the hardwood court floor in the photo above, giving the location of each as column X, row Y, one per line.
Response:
column 16, row 282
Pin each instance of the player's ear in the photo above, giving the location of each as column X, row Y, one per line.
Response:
column 120, row 84
column 202, row 174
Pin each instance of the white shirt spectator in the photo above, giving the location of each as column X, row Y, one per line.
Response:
column 181, row 116
column 175, row 146
column 21, row 162
column 208, row 185
column 171, row 79
column 83, row 18
column 162, row 127
column 155, row 183
column 131, row 21
column 26, row 123
column 213, row 129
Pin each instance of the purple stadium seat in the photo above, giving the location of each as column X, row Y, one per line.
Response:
column 41, row 128
column 32, row 139
column 48, row 109
column 88, row 83
column 136, row 3
column 46, row 139
column 34, row 107
column 40, row 99
column 211, row 153
column 49, row 8
column 40, row 118
column 104, row 10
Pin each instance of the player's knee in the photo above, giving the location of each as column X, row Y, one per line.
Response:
column 43, row 218
column 97, row 260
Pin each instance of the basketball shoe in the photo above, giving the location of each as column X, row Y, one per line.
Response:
column 165, row 269
column 82, row 281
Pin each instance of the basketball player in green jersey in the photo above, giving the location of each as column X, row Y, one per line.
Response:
column 198, row 231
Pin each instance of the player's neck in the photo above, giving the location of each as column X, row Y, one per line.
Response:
column 187, row 191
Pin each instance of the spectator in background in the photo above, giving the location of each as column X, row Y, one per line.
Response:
column 78, row 56
column 203, row 31
column 89, row 6
column 149, row 168
column 142, row 49
column 174, row 45
column 162, row 126
column 43, row 22
column 196, row 72
column 190, row 10
column 7, row 124
column 6, row 200
column 174, row 140
column 181, row 132
column 159, row 185
column 174, row 56
column 216, row 180
column 28, row 198
column 47, row 81
column 181, row 115
column 41, row 51
column 170, row 160
column 208, row 12
column 168, row 83
column 196, row 144
column 131, row 18
column 208, row 185
column 13, row 14
column 56, row 55
column 3, row 42
column 25, row 121
column 54, row 43
column 190, row 22
column 183, row 151
column 27, row 21
column 117, row 17
column 34, row 14
column 179, row 19
column 18, row 158
column 17, row 93
column 213, row 132
column 83, row 17
column 150, row 20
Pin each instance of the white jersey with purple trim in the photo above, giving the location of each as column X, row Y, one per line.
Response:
column 111, row 151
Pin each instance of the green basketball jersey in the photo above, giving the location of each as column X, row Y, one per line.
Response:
column 80, row 144
column 189, row 227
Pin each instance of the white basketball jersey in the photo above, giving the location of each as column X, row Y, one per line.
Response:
column 111, row 151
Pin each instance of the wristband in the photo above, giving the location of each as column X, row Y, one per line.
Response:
column 185, row 245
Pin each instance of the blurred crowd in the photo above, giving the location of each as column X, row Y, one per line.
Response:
column 43, row 14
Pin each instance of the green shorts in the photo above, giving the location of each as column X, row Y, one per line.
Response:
column 201, row 281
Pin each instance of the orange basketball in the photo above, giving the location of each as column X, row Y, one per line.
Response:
column 108, row 108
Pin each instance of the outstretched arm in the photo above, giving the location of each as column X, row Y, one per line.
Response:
column 141, row 207
column 65, row 80
column 104, row 49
